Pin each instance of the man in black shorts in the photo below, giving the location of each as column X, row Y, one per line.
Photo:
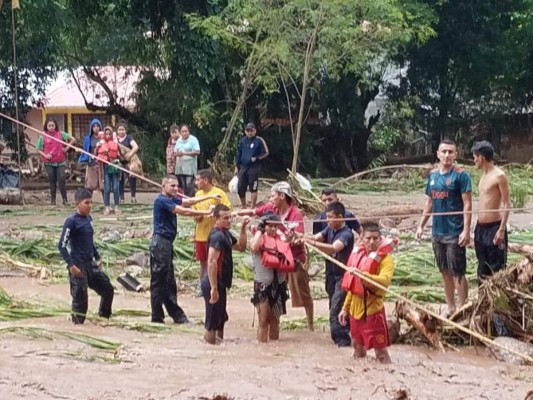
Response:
column 490, row 237
column 251, row 151
column 214, row 285
column 449, row 189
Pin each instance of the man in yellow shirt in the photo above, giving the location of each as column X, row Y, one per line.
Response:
column 368, row 321
column 204, row 184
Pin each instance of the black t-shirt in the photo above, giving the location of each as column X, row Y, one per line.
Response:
column 345, row 235
column 223, row 240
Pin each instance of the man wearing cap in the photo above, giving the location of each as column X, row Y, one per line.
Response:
column 490, row 237
column 251, row 151
column 282, row 203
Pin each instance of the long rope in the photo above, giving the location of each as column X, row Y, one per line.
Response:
column 470, row 332
column 80, row 150
column 141, row 177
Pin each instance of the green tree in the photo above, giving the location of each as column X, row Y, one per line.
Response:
column 37, row 24
column 458, row 72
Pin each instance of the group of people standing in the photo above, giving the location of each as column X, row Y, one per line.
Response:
column 113, row 145
column 356, row 306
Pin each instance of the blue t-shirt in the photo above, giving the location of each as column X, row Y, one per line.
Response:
column 320, row 222
column 330, row 236
column 446, row 192
column 248, row 148
column 78, row 234
column 165, row 221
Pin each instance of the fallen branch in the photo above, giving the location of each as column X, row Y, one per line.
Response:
column 28, row 269
column 386, row 167
column 421, row 322
column 523, row 249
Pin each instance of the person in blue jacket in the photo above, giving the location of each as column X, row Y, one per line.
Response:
column 251, row 152
column 94, row 174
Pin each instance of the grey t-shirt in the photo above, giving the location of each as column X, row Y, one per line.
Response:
column 265, row 275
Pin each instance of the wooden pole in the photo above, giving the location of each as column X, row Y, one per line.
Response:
column 15, row 5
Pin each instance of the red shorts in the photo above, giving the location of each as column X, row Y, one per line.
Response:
column 372, row 333
column 200, row 251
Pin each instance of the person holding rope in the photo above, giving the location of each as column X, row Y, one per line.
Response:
column 53, row 154
column 94, row 174
column 163, row 287
column 282, row 203
column 364, row 303
column 449, row 189
column 490, row 236
column 337, row 240
column 272, row 258
column 204, row 184
column 219, row 277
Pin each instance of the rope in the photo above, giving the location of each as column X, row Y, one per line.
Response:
column 80, row 150
column 470, row 332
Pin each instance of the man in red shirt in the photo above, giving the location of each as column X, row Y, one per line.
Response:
column 282, row 202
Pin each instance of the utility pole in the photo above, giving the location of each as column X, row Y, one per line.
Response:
column 15, row 6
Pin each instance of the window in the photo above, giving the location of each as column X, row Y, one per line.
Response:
column 80, row 123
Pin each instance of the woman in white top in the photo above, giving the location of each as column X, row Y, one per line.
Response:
column 187, row 150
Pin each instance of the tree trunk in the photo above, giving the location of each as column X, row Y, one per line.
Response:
column 307, row 66
column 218, row 160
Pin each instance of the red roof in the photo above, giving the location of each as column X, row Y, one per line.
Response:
column 121, row 80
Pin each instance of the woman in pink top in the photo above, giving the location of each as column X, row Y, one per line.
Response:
column 51, row 147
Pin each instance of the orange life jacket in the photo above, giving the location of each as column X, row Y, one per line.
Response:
column 276, row 254
column 108, row 151
column 366, row 263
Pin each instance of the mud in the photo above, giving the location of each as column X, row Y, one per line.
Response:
column 178, row 365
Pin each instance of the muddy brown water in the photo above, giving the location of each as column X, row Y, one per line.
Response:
column 178, row 365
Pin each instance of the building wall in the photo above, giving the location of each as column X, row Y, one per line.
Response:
column 517, row 145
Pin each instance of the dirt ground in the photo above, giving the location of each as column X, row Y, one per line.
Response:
column 177, row 365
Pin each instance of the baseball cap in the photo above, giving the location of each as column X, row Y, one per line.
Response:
column 249, row 126
column 283, row 187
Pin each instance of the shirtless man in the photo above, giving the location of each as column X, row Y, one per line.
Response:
column 490, row 237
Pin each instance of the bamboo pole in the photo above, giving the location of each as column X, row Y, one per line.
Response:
column 470, row 332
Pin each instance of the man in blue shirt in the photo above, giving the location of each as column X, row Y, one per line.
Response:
column 337, row 240
column 449, row 189
column 163, row 287
column 328, row 197
column 251, row 151
column 83, row 261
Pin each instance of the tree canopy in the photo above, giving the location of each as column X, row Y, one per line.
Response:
column 306, row 72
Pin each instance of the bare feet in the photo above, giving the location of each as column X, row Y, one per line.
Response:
column 117, row 211
column 106, row 211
